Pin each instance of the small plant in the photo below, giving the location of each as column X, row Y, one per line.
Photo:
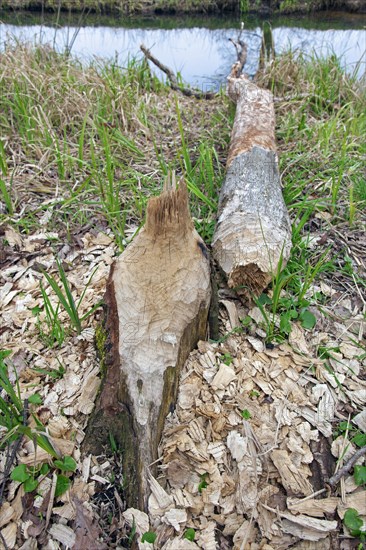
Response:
column 354, row 523
column 246, row 321
column 54, row 373
column 28, row 476
column 359, row 474
column 67, row 464
column 356, row 436
column 132, row 533
column 66, row 298
column 246, row 414
column 203, row 483
column 190, row 534
column 6, row 197
column 287, row 309
column 149, row 536
column 227, row 359
column 51, row 329
column 113, row 443
column 35, row 399
column 13, row 413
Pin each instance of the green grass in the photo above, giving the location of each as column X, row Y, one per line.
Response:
column 14, row 412
column 321, row 123
column 63, row 293
column 88, row 146
column 88, row 137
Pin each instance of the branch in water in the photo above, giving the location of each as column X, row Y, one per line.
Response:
column 173, row 79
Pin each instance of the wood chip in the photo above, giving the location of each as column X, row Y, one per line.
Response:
column 175, row 517
column 293, row 479
column 356, row 500
column 306, row 527
column 312, row 507
column 10, row 534
column 224, row 376
column 7, row 513
column 63, row 534
column 137, row 518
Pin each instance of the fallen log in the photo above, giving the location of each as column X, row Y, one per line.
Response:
column 252, row 238
column 157, row 303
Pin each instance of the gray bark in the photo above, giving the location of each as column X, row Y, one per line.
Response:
column 253, row 233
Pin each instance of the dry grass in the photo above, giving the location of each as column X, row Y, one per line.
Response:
column 86, row 135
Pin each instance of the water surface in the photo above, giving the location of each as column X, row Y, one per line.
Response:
column 196, row 47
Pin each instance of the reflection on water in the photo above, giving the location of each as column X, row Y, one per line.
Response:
column 202, row 55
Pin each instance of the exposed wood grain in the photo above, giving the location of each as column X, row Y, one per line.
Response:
column 157, row 304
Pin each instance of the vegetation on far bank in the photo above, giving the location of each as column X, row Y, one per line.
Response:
column 130, row 7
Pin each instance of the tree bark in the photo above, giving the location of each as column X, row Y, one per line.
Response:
column 253, row 233
column 157, row 302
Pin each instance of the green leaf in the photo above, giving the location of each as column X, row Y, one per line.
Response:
column 285, row 322
column 359, row 474
column 36, row 399
column 359, row 440
column 190, row 534
column 30, row 485
column 149, row 536
column 247, row 321
column 133, row 531
column 264, row 299
column 203, row 484
column 286, row 302
column 246, row 414
column 227, row 359
column 62, row 484
column 67, row 464
column 343, row 426
column 19, row 473
column 41, row 439
column 112, row 441
column 352, row 521
column 308, row 320
column 4, row 353
column 44, row 469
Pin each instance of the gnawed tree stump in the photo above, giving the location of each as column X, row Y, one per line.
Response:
column 157, row 303
column 253, row 231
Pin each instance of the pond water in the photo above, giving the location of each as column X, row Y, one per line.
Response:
column 196, row 47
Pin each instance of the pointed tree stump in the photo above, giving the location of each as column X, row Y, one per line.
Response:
column 253, row 232
column 157, row 303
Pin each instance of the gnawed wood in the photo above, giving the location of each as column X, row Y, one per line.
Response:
column 253, row 233
column 157, row 300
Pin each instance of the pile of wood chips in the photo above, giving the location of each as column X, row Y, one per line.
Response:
column 244, row 457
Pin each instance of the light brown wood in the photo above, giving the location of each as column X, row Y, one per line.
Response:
column 157, row 299
column 253, row 232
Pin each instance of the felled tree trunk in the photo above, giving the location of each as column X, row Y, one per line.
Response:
column 157, row 303
column 253, row 232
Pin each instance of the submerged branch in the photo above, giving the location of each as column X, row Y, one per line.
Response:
column 173, row 82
